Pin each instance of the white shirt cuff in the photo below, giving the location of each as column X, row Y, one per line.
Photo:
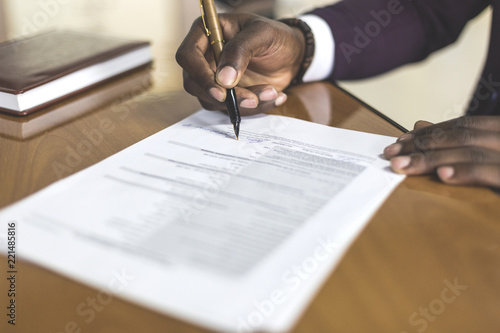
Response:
column 324, row 53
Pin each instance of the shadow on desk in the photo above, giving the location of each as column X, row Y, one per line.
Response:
column 325, row 104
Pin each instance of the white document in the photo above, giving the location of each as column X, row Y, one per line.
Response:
column 233, row 235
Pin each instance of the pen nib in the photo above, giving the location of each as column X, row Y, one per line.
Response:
column 236, row 127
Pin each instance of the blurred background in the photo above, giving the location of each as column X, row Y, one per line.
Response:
column 437, row 89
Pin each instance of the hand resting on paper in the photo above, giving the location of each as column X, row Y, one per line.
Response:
column 463, row 151
column 260, row 59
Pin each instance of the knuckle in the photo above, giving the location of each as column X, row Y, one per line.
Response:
column 179, row 56
column 429, row 157
column 466, row 122
column 465, row 137
column 184, row 49
column 495, row 141
column 477, row 155
column 485, row 175
column 192, row 91
column 257, row 22
column 473, row 172
column 423, row 143
column 261, row 26
column 198, row 80
column 192, row 88
column 182, row 56
column 438, row 135
column 466, row 174
column 419, row 159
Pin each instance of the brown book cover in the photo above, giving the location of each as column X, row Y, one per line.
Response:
column 113, row 91
column 38, row 71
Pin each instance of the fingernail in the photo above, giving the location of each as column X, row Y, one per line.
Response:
column 281, row 99
column 249, row 103
column 227, row 76
column 393, row 150
column 218, row 94
column 445, row 173
column 404, row 137
column 400, row 163
column 268, row 95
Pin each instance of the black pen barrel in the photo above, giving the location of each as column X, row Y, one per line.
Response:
column 233, row 110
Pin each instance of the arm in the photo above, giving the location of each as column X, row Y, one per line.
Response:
column 374, row 36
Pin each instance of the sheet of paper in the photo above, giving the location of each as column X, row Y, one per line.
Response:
column 233, row 235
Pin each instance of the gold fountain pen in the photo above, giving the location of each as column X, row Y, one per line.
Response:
column 214, row 33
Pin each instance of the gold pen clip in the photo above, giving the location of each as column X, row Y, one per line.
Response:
column 203, row 18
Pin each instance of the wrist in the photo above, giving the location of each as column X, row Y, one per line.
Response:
column 305, row 38
column 299, row 56
column 324, row 54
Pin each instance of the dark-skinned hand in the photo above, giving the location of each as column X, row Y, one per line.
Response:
column 462, row 151
column 260, row 58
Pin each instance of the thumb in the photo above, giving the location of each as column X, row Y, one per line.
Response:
column 237, row 53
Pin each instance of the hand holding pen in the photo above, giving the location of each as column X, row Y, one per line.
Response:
column 259, row 60
column 213, row 30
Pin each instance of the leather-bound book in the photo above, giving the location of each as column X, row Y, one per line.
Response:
column 39, row 71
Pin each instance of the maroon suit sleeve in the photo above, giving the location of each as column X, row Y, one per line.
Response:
column 374, row 36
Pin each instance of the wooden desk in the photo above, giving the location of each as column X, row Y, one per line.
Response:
column 424, row 238
column 424, row 235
